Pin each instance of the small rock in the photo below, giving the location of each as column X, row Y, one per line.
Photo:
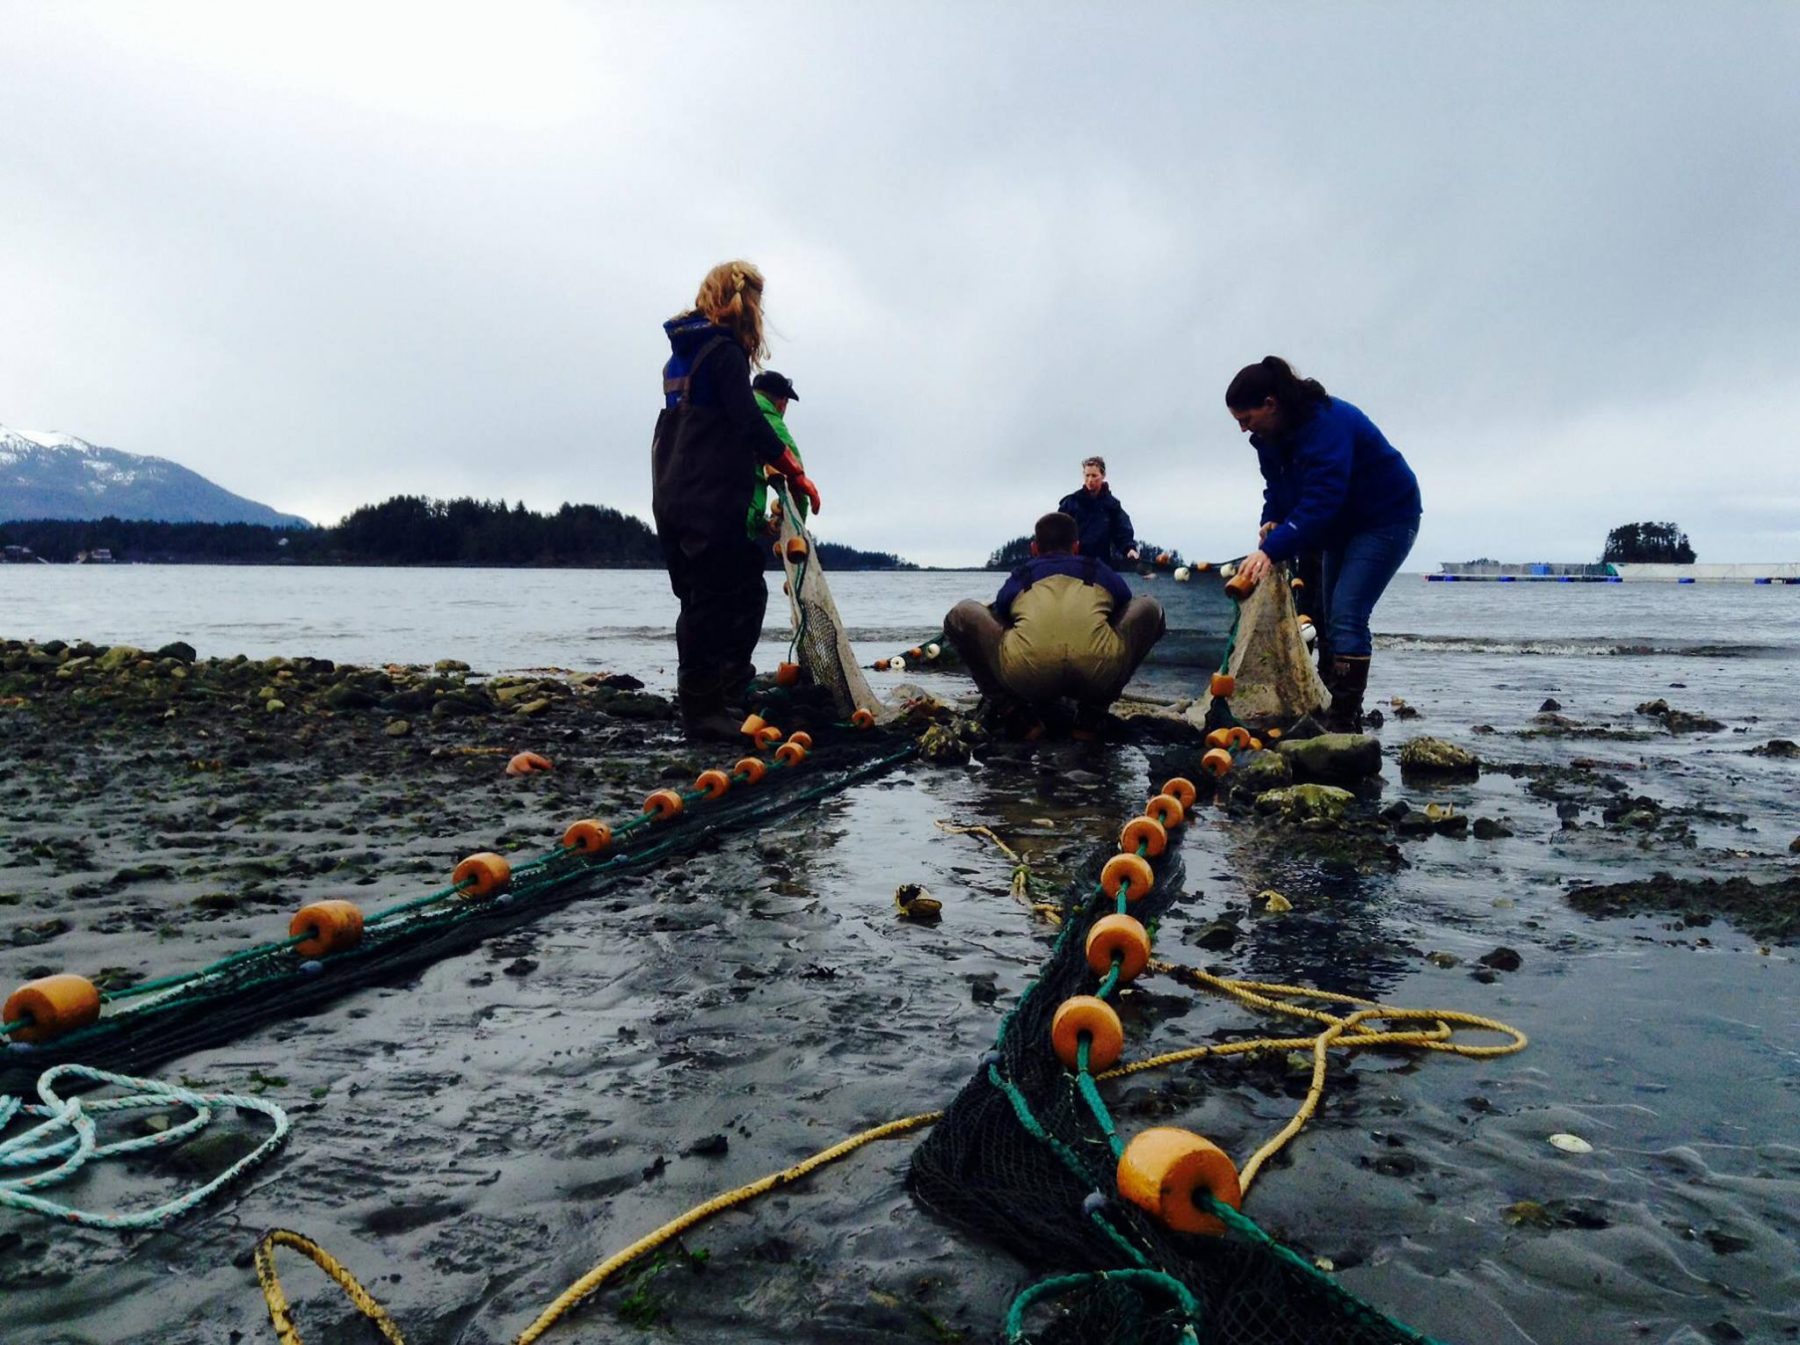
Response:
column 915, row 903
column 274, row 705
column 1571, row 1144
column 450, row 665
column 621, row 682
column 179, row 649
column 522, row 966
column 1445, row 960
column 1302, row 803
column 1777, row 747
column 117, row 657
column 709, row 1147
column 1433, row 756
column 1332, row 758
column 1502, row 959
column 1487, row 829
column 1550, row 706
column 397, row 728
column 1217, row 936
column 534, row 708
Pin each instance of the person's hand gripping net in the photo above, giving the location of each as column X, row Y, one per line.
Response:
column 789, row 466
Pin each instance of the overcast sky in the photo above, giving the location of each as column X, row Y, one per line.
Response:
column 327, row 253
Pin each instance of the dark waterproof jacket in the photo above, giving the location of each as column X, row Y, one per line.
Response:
column 1105, row 526
column 709, row 437
column 1330, row 477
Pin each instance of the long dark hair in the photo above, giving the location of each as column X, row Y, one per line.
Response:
column 1274, row 377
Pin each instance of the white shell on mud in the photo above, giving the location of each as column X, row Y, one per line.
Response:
column 1571, row 1144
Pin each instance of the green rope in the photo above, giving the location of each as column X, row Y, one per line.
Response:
column 1062, row 1284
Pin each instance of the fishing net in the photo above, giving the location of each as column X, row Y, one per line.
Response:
column 170, row 1016
column 1020, row 1159
column 820, row 645
column 1268, row 660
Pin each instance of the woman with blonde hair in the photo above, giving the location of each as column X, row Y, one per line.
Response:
column 710, row 444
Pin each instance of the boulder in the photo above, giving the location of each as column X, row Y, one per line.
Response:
column 1434, row 756
column 1306, row 803
column 118, row 656
column 178, row 649
column 1333, row 758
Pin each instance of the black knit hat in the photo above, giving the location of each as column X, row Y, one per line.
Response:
column 773, row 385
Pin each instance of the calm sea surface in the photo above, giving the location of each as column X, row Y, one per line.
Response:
column 1460, row 638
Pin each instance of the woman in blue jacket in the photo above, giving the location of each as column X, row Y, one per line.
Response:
column 1332, row 484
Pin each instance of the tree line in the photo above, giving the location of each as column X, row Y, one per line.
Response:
column 405, row 530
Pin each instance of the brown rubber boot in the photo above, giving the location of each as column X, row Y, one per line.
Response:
column 1348, row 679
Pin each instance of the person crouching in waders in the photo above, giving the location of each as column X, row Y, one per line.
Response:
column 1334, row 484
column 773, row 393
column 1064, row 626
column 711, row 439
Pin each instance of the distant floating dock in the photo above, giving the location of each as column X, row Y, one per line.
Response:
column 1786, row 572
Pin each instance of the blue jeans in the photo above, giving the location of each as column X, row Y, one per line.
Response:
column 1354, row 574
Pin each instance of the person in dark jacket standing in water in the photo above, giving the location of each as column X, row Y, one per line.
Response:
column 1332, row 483
column 1104, row 525
column 711, row 440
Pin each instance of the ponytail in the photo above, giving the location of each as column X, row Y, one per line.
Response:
column 731, row 296
column 1274, row 377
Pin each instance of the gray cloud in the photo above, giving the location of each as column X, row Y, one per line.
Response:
column 325, row 254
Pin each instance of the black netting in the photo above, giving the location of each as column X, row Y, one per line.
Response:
column 983, row 1169
column 278, row 985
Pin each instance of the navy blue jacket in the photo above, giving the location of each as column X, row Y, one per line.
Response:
column 1105, row 526
column 1330, row 477
column 1085, row 568
column 721, row 383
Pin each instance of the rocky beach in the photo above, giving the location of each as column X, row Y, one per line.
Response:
column 1613, row 876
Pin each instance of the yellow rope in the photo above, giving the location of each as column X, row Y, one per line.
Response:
column 1346, row 1032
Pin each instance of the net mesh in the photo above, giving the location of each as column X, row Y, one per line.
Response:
column 821, row 645
column 1020, row 1159
column 1268, row 659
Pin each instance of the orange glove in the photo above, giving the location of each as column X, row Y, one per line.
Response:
column 789, row 466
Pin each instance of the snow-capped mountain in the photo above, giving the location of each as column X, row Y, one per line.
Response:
column 60, row 476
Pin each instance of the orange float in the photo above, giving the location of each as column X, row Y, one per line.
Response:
column 767, row 736
column 52, row 1005
column 1162, row 1171
column 525, row 763
column 787, row 674
column 1238, row 735
column 1167, row 809
column 915, row 652
column 715, row 783
column 1181, row 789
column 588, row 836
column 1296, row 583
column 1303, row 619
column 863, row 719
column 1223, row 685
column 1273, row 735
column 1203, row 567
column 333, row 926
column 1162, row 557
column 881, row 665
column 802, row 737
column 1239, row 586
column 662, row 804
column 1218, row 738
column 751, row 768
column 796, row 548
column 485, row 873
column 1146, row 832
column 1132, row 872
column 1086, row 1015
column 791, row 754
column 1118, row 936
column 1216, row 762
column 752, row 725
column 1256, row 744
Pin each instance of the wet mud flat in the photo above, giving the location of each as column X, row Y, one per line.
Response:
column 475, row 1135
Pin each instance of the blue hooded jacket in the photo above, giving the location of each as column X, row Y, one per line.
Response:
column 721, row 383
column 1330, row 477
column 1101, row 521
